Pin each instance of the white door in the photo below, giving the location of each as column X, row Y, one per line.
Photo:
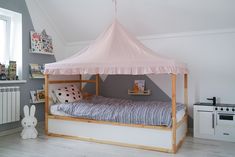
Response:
column 206, row 122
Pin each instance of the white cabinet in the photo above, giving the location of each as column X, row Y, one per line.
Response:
column 204, row 124
column 214, row 122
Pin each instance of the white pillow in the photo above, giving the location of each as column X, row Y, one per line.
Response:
column 68, row 93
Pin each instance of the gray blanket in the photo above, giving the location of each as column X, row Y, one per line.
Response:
column 122, row 110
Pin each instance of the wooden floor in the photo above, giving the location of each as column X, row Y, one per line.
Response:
column 14, row 146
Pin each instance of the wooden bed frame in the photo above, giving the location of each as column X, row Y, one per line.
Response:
column 159, row 138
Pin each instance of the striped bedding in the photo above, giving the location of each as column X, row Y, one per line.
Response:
column 121, row 110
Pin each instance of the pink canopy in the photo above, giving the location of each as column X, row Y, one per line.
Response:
column 115, row 51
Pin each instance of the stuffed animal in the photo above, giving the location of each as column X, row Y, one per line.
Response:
column 29, row 122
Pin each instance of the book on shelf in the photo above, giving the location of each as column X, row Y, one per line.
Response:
column 37, row 95
column 41, row 95
column 139, row 86
column 33, row 95
column 46, row 42
column 36, row 41
column 41, row 42
column 36, row 70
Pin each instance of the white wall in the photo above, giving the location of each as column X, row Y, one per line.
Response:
column 42, row 21
column 210, row 58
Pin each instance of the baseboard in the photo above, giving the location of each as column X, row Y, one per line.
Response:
column 11, row 131
column 190, row 131
column 18, row 129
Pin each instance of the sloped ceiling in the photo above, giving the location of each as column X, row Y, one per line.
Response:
column 82, row 20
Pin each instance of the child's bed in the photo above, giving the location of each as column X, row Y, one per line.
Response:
column 152, row 125
column 117, row 52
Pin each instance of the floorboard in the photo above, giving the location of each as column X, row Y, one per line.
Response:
column 43, row 146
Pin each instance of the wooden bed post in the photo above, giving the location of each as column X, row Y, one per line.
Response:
column 97, row 85
column 173, row 99
column 186, row 91
column 46, row 103
column 186, row 96
column 80, row 84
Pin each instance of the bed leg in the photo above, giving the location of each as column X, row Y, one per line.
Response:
column 80, row 84
column 173, row 99
column 97, row 82
column 186, row 95
column 46, row 104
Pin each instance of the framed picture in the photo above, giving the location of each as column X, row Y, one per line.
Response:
column 33, row 95
column 41, row 95
column 139, row 86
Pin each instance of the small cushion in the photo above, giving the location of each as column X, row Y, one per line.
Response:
column 68, row 93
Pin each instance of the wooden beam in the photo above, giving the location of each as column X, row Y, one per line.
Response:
column 70, row 81
column 80, row 84
column 174, row 123
column 97, row 84
column 76, row 119
column 186, row 96
column 46, row 102
column 186, row 91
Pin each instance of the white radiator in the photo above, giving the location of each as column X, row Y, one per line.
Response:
column 9, row 104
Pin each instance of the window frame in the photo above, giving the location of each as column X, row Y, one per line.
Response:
column 14, row 43
column 8, row 34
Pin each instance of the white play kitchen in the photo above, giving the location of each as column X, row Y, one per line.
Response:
column 214, row 121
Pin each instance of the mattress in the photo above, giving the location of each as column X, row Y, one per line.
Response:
column 121, row 110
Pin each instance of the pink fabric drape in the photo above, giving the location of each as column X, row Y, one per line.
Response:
column 115, row 51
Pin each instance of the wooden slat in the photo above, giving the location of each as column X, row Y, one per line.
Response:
column 180, row 143
column 97, row 89
column 87, row 96
column 184, row 120
column 46, row 103
column 186, row 91
column 107, row 122
column 70, row 81
column 186, row 95
column 173, row 99
column 80, row 84
column 113, row 143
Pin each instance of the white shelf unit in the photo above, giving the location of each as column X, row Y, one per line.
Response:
column 41, row 52
column 35, row 78
column 12, row 81
column 37, row 102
